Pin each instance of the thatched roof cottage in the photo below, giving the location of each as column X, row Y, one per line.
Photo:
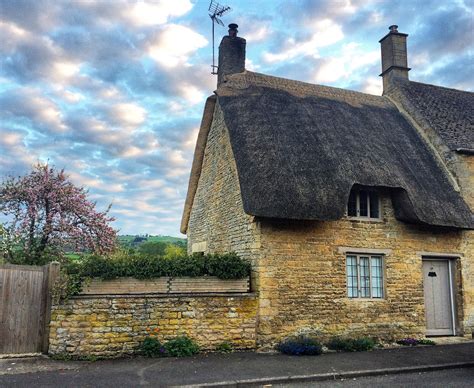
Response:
column 355, row 209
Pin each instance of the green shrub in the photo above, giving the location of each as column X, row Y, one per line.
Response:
column 425, row 341
column 413, row 342
column 151, row 347
column 225, row 347
column 227, row 266
column 97, row 266
column 194, row 265
column 130, row 263
column 181, row 347
column 153, row 248
column 300, row 345
column 351, row 344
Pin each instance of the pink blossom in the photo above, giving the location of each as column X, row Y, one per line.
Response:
column 47, row 212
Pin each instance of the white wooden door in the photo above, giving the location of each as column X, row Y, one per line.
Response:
column 438, row 297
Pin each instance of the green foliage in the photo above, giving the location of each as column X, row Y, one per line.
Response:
column 130, row 263
column 22, row 257
column 145, row 267
column 425, row 341
column 181, row 347
column 300, row 345
column 225, row 347
column 156, row 248
column 172, row 251
column 226, row 266
column 414, row 342
column 151, row 347
column 351, row 344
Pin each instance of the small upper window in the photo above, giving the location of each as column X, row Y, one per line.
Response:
column 363, row 203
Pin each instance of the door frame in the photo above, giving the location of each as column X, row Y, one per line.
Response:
column 450, row 259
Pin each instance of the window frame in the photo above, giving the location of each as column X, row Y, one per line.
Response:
column 370, row 256
column 367, row 217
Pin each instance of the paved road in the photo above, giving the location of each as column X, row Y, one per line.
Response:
column 454, row 378
column 215, row 367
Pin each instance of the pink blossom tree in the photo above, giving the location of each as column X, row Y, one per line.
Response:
column 47, row 214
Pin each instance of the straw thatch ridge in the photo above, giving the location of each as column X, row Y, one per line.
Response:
column 448, row 112
column 299, row 149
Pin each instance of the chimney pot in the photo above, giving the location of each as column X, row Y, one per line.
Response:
column 393, row 28
column 233, row 30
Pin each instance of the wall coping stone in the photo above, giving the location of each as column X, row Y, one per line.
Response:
column 165, row 296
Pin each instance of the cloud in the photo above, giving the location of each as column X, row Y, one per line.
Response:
column 126, row 114
column 14, row 150
column 31, row 13
column 258, row 33
column 372, row 85
column 28, row 105
column 349, row 60
column 174, row 44
column 326, row 33
column 442, row 25
column 158, row 12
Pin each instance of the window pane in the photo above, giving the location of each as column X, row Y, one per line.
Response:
column 363, row 204
column 351, row 267
column 377, row 276
column 352, row 205
column 364, row 277
column 374, row 205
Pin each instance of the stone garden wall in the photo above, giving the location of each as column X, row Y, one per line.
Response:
column 112, row 326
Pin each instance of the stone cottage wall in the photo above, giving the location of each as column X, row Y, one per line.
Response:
column 465, row 174
column 115, row 325
column 217, row 221
column 465, row 170
column 303, row 277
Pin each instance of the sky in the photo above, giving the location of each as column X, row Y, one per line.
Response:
column 113, row 91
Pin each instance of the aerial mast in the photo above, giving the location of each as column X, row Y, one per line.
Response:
column 216, row 11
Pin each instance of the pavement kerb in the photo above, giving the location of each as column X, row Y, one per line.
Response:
column 332, row 375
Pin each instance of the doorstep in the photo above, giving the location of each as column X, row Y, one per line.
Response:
column 451, row 340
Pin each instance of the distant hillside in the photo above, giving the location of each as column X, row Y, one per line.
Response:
column 129, row 239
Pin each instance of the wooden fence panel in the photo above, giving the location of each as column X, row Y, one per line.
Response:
column 24, row 294
column 164, row 285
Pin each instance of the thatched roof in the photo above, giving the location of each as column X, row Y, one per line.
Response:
column 448, row 112
column 299, row 149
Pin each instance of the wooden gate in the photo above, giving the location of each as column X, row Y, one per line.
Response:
column 25, row 307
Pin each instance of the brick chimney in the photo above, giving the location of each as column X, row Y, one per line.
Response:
column 231, row 54
column 394, row 57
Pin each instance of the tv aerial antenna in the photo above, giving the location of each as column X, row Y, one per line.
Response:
column 216, row 11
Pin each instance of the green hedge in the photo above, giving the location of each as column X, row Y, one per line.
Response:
column 132, row 264
column 352, row 344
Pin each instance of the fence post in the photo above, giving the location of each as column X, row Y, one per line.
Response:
column 51, row 274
